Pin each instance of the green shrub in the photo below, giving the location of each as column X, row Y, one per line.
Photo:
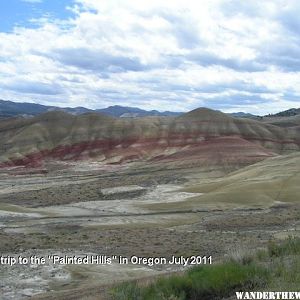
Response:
column 222, row 279
column 126, row 291
column 291, row 246
column 276, row 267
column 205, row 282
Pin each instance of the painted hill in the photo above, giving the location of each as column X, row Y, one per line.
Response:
column 202, row 137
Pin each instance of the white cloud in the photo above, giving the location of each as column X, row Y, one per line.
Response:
column 171, row 54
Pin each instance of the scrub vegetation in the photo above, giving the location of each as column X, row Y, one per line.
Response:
column 274, row 268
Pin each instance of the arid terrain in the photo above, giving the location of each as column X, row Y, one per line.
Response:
column 200, row 184
column 149, row 150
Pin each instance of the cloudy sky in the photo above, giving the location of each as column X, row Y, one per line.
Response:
column 169, row 55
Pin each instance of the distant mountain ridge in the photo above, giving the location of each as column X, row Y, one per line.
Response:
column 127, row 112
column 14, row 109
column 241, row 114
column 287, row 113
column 10, row 109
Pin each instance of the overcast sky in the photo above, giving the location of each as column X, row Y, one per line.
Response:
column 154, row 54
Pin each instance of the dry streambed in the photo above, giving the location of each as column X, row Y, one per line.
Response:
column 21, row 281
column 115, row 211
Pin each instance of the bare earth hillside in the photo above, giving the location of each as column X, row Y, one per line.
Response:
column 202, row 135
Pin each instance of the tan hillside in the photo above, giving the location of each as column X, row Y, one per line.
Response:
column 271, row 182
